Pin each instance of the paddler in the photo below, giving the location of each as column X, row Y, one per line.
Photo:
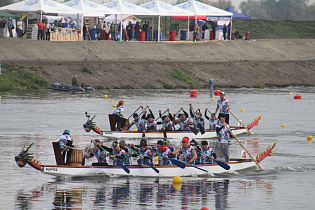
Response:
column 120, row 121
column 151, row 124
column 128, row 152
column 183, row 121
column 222, row 146
column 100, row 155
column 139, row 122
column 224, row 106
column 213, row 121
column 66, row 142
column 167, row 121
column 163, row 152
column 207, row 153
column 198, row 121
column 145, row 154
column 119, row 153
column 188, row 151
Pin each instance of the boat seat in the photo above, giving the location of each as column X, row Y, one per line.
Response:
column 57, row 151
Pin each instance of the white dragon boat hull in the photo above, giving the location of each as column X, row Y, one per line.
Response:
column 143, row 171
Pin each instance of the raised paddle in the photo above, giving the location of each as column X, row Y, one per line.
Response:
column 223, row 165
column 174, row 161
column 120, row 164
column 251, row 133
column 134, row 112
column 244, row 148
column 161, row 115
column 155, row 169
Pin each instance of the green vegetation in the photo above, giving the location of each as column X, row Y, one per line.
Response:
column 259, row 85
column 86, row 69
column 275, row 29
column 59, row 63
column 15, row 78
column 129, row 67
column 180, row 75
column 166, row 85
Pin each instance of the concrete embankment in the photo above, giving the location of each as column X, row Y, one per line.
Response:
column 150, row 65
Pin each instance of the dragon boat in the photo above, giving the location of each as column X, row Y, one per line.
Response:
column 75, row 169
column 113, row 133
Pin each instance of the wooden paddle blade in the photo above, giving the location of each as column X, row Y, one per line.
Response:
column 155, row 169
column 199, row 168
column 122, row 166
column 223, row 165
column 194, row 130
column 178, row 163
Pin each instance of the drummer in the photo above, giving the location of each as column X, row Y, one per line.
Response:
column 66, row 142
column 119, row 117
column 100, row 155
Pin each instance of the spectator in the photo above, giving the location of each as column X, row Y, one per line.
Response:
column 114, row 31
column 196, row 33
column 229, row 31
column 129, row 30
column 149, row 31
column 10, row 26
column 19, row 28
column 3, row 22
column 107, row 30
column 191, row 27
column 99, row 27
column 224, row 31
column 204, row 28
column 47, row 29
column 214, row 28
column 137, row 29
column 40, row 35
column 84, row 32
column 124, row 26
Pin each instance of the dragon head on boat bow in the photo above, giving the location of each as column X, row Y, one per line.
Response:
column 25, row 157
column 90, row 125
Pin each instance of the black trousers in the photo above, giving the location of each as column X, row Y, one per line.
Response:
column 226, row 116
column 121, row 120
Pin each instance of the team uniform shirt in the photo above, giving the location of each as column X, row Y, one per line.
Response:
column 140, row 124
column 123, row 154
column 213, row 123
column 198, row 121
column 152, row 126
column 223, row 134
column 198, row 159
column 168, row 125
column 128, row 154
column 146, row 153
column 63, row 139
column 100, row 155
column 188, row 153
column 183, row 126
column 206, row 157
column 223, row 105
column 162, row 160
column 118, row 111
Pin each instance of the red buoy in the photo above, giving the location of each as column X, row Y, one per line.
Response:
column 217, row 92
column 193, row 93
column 297, row 96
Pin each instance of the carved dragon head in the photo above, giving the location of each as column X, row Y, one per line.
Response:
column 89, row 125
column 24, row 157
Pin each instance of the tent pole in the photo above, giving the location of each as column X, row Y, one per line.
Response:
column 121, row 38
column 187, row 28
column 231, row 28
column 41, row 15
column 152, row 24
column 158, row 35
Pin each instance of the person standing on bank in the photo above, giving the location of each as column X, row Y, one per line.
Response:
column 3, row 22
column 224, row 31
column 19, row 28
column 40, row 35
column 204, row 28
column 224, row 106
column 10, row 27
column 214, row 28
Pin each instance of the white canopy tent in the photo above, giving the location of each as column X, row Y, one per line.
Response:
column 164, row 9
column 125, row 18
column 126, row 8
column 42, row 6
column 199, row 8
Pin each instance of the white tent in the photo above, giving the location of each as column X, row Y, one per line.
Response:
column 90, row 9
column 164, row 9
column 199, row 8
column 46, row 6
column 127, row 8
column 125, row 18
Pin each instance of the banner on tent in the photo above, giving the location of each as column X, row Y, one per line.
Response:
column 211, row 18
column 24, row 24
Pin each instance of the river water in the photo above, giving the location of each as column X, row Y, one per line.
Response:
column 41, row 116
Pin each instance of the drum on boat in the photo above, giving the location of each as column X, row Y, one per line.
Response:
column 76, row 157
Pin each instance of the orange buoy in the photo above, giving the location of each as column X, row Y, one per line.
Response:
column 193, row 93
column 217, row 92
column 297, row 96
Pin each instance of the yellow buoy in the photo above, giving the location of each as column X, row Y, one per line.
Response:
column 212, row 99
column 242, row 110
column 310, row 138
column 290, row 93
column 283, row 125
column 114, row 105
column 111, row 100
column 177, row 186
column 0, row 96
column 135, row 129
column 177, row 179
column 105, row 96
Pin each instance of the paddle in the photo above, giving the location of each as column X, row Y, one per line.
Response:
column 174, row 161
column 244, row 148
column 223, row 165
column 199, row 168
column 251, row 133
column 155, row 169
column 134, row 112
column 117, row 161
column 161, row 115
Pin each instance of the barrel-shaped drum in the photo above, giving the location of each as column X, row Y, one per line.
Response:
column 76, row 158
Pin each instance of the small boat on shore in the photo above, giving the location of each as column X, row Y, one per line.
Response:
column 67, row 87
column 75, row 169
column 113, row 133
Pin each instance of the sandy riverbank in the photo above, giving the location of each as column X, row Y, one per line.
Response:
column 149, row 65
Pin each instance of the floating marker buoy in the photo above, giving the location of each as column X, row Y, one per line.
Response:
column 310, row 138
column 290, row 93
column 283, row 125
column 212, row 99
column 217, row 92
column 177, row 179
column 193, row 93
column 242, row 110
column 105, row 96
column 177, row 186
column 114, row 105
column 135, row 129
column 204, row 208
column 297, row 96
column 111, row 100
